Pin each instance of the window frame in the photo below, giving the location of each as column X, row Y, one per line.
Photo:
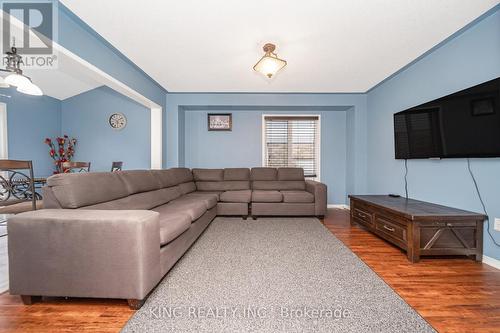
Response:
column 318, row 138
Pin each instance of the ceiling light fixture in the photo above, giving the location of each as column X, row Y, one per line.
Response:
column 269, row 64
column 16, row 77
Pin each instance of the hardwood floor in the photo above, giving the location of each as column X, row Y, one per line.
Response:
column 453, row 295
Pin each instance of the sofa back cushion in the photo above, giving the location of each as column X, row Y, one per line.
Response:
column 210, row 175
column 236, row 174
column 180, row 175
column 264, row 174
column 278, row 179
column 74, row 190
column 296, row 174
column 187, row 187
column 231, row 179
column 138, row 181
column 144, row 200
column 232, row 185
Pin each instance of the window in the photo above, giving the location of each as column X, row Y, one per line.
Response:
column 292, row 141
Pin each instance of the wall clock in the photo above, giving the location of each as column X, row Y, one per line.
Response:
column 117, row 121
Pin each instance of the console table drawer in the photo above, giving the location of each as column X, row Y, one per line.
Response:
column 390, row 228
column 363, row 216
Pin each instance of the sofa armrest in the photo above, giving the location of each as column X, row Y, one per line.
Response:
column 319, row 191
column 84, row 253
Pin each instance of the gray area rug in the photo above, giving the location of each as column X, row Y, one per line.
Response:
column 273, row 275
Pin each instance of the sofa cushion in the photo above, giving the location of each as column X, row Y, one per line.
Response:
column 210, row 199
column 172, row 226
column 266, row 196
column 209, row 175
column 236, row 196
column 74, row 190
column 166, row 177
column 180, row 175
column 192, row 207
column 264, row 174
column 138, row 181
column 290, row 174
column 297, row 197
column 237, row 174
column 231, row 185
column 279, row 185
column 187, row 187
column 144, row 200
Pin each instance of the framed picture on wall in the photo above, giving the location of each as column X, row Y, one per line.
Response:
column 220, row 121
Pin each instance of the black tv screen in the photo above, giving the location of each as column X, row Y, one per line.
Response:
column 463, row 124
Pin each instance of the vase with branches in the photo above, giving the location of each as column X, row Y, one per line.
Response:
column 61, row 151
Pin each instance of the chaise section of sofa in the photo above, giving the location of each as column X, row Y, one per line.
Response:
column 115, row 235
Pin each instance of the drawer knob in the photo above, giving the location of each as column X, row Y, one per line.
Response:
column 388, row 228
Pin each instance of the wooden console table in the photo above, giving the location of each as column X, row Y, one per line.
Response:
column 420, row 228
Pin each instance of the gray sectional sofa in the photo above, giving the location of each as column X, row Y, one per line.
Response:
column 115, row 235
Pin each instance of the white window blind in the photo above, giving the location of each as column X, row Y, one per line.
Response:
column 292, row 141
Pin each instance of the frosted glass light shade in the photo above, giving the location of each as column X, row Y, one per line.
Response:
column 30, row 89
column 269, row 65
column 17, row 80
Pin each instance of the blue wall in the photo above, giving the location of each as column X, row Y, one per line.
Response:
column 177, row 147
column 242, row 147
column 468, row 59
column 85, row 117
column 30, row 119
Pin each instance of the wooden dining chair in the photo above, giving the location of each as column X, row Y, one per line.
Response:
column 16, row 183
column 76, row 167
column 116, row 166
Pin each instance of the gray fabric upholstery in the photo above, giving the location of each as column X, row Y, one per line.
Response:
column 84, row 253
column 236, row 174
column 236, row 196
column 232, row 208
column 166, row 177
column 49, row 199
column 266, row 196
column 145, row 200
column 319, row 191
column 172, row 225
column 73, row 190
column 282, row 209
column 211, row 175
column 192, row 207
column 279, row 185
column 105, row 249
column 180, row 175
column 264, row 174
column 138, row 181
column 187, row 187
column 290, row 174
column 209, row 199
column 231, row 185
column 297, row 196
column 173, row 251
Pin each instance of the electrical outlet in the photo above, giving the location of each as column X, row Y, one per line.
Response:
column 497, row 224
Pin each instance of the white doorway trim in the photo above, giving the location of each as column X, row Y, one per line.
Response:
column 4, row 143
column 86, row 69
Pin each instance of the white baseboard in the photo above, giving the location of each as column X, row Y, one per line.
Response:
column 337, row 206
column 491, row 262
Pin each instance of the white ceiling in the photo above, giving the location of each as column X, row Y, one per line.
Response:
column 65, row 81
column 330, row 46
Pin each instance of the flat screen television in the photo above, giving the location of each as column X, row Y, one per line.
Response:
column 463, row 124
